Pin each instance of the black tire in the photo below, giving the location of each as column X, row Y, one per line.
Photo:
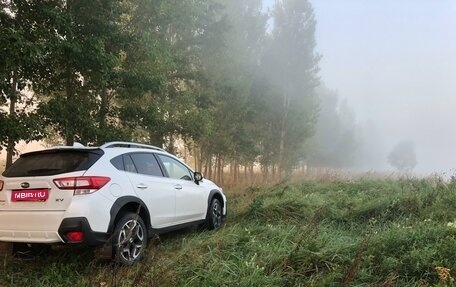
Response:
column 129, row 240
column 214, row 215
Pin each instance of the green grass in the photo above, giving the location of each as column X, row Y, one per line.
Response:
column 365, row 232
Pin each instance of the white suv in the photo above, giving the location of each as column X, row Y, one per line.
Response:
column 118, row 194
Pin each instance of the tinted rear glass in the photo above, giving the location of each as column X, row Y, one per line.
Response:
column 52, row 162
column 118, row 163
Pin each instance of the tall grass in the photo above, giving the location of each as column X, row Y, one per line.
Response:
column 362, row 232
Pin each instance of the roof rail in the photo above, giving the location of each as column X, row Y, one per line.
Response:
column 130, row 145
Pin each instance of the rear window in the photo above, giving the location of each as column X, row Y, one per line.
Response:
column 52, row 162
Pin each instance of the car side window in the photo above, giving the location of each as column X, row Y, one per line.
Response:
column 118, row 163
column 175, row 169
column 128, row 164
column 146, row 163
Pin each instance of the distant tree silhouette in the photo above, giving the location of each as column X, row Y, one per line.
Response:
column 403, row 157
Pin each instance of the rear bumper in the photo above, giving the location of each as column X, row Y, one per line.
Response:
column 46, row 227
column 40, row 227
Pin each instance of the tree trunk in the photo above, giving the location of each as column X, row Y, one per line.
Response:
column 170, row 146
column 245, row 173
column 222, row 173
column 214, row 171
column 252, row 176
column 209, row 164
column 156, row 139
column 103, row 113
column 200, row 159
column 12, row 113
column 196, row 159
column 235, row 174
column 264, row 171
column 69, row 129
column 219, row 169
column 283, row 133
column 206, row 174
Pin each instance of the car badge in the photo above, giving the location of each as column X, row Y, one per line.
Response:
column 25, row 185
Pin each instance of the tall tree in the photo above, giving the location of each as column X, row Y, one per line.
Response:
column 84, row 57
column 229, row 74
column 403, row 156
column 335, row 141
column 291, row 65
column 23, row 39
column 161, row 95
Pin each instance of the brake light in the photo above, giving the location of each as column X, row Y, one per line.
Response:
column 1, row 185
column 75, row 236
column 82, row 184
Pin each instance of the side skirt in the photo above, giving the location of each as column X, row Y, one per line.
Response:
column 157, row 231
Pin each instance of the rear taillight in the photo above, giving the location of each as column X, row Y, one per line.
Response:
column 75, row 236
column 82, row 184
column 1, row 185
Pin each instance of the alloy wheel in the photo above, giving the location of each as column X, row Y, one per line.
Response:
column 131, row 240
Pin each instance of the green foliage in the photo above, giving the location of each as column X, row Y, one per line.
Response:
column 84, row 56
column 22, row 49
column 285, row 90
column 158, row 100
column 207, row 72
column 366, row 232
column 228, row 67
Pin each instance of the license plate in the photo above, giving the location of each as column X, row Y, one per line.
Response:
column 40, row 194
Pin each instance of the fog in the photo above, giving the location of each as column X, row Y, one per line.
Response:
column 386, row 78
column 394, row 61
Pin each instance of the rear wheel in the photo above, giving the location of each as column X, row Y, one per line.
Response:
column 129, row 239
column 214, row 214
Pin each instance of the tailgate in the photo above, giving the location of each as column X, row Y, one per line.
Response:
column 35, row 193
column 28, row 184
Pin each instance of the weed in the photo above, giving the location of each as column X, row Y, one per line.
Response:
column 370, row 231
column 354, row 267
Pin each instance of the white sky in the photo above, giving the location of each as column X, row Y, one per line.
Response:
column 395, row 62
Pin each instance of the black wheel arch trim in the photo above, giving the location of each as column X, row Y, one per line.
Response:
column 120, row 203
column 212, row 194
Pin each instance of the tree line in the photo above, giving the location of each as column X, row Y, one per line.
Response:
column 238, row 86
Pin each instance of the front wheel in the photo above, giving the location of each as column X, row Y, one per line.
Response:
column 214, row 214
column 129, row 239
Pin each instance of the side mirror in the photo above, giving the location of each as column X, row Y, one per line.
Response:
column 198, row 177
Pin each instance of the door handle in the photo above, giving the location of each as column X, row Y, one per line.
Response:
column 141, row 186
column 178, row 186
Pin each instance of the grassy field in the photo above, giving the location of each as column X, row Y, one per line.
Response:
column 364, row 232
